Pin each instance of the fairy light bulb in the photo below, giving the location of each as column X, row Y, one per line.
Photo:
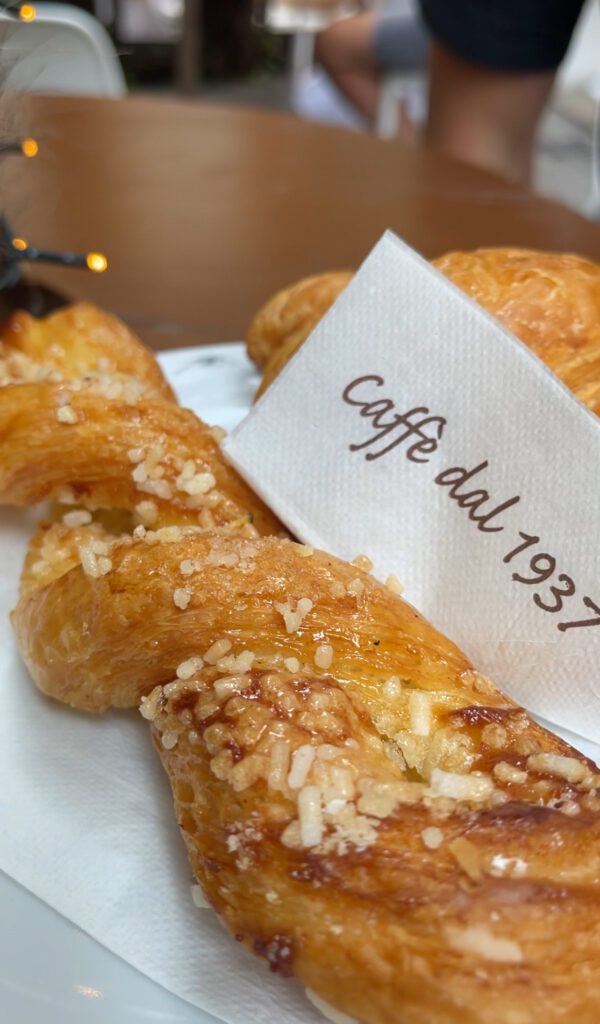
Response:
column 27, row 12
column 20, row 244
column 29, row 147
column 96, row 262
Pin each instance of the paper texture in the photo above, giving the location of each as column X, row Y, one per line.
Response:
column 87, row 814
column 457, row 461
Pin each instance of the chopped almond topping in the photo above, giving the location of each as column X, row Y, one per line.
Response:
column 568, row 768
column 477, row 940
column 394, row 585
column 505, row 772
column 363, row 562
column 324, row 656
column 432, row 837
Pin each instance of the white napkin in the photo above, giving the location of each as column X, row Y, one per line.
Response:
column 403, row 333
column 87, row 814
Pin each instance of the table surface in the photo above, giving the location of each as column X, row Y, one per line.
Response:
column 204, row 211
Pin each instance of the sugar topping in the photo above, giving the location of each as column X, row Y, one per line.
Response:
column 432, row 837
column 477, row 940
column 147, row 511
column 216, row 651
column 186, row 669
column 74, row 519
column 474, row 787
column 94, row 560
column 420, row 712
column 393, row 687
column 66, row 414
column 324, row 656
column 507, row 773
column 294, row 617
column 310, row 816
column 363, row 562
column 182, row 597
column 302, row 760
column 394, row 585
column 568, row 768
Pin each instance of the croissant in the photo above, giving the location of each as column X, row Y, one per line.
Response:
column 361, row 807
column 550, row 301
column 293, row 312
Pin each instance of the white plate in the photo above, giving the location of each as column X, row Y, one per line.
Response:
column 51, row 972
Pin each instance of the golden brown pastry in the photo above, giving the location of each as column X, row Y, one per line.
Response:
column 550, row 301
column 73, row 342
column 361, row 807
column 279, row 358
column 293, row 312
column 90, row 420
column 147, row 456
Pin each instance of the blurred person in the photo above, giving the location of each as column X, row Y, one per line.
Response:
column 492, row 65
column 358, row 52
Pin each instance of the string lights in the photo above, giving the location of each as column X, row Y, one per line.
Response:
column 15, row 250
column 19, row 11
column 21, row 147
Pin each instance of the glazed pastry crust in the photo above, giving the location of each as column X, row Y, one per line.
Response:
column 90, row 664
column 550, row 301
column 73, row 342
column 361, row 807
column 364, row 912
column 293, row 312
column 89, row 456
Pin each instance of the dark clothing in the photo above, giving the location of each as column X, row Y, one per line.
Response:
column 506, row 35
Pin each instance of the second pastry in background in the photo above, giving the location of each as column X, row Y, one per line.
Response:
column 550, row 301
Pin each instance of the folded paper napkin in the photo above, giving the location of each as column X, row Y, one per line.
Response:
column 413, row 428
column 87, row 820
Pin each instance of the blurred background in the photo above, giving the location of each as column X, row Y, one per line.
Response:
column 262, row 54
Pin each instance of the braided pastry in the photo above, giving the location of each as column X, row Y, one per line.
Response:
column 361, row 807
column 550, row 301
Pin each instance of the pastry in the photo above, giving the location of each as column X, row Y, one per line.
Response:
column 293, row 313
column 76, row 341
column 86, row 417
column 550, row 301
column 361, row 807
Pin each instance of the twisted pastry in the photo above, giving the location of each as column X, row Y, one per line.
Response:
column 73, row 342
column 96, row 424
column 550, row 301
column 361, row 807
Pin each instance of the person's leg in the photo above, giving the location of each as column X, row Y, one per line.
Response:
column 482, row 116
column 492, row 65
column 345, row 51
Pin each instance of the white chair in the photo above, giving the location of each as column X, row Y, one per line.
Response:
column 64, row 50
column 576, row 96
